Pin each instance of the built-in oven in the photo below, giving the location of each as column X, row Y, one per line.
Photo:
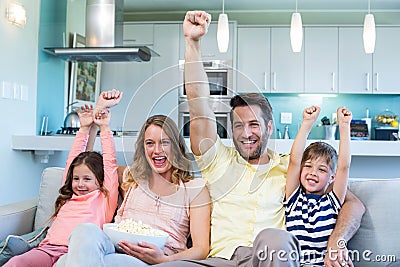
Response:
column 221, row 110
column 220, row 77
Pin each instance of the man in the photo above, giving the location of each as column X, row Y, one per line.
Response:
column 246, row 182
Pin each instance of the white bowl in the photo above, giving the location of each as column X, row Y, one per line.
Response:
column 117, row 236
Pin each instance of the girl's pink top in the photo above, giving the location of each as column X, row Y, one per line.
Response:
column 94, row 207
column 167, row 213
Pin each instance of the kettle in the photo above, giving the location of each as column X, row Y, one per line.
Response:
column 72, row 120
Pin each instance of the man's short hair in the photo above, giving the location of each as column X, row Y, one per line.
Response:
column 250, row 99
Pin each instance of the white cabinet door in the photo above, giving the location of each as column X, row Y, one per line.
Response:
column 321, row 59
column 253, row 62
column 386, row 61
column 209, row 45
column 287, row 67
column 166, row 76
column 137, row 34
column 355, row 66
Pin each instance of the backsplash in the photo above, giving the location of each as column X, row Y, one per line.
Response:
column 358, row 104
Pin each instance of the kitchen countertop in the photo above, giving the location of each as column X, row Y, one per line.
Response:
column 40, row 144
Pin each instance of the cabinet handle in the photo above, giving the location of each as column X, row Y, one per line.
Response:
column 265, row 81
column 367, row 78
column 333, row 81
column 377, row 81
column 274, row 81
column 209, row 55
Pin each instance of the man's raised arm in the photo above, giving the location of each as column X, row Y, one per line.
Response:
column 203, row 129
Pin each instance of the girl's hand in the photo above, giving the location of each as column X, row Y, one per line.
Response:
column 102, row 119
column 85, row 116
column 108, row 99
column 310, row 114
column 195, row 24
column 146, row 252
column 344, row 116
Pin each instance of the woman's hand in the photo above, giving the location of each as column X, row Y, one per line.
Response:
column 146, row 252
column 108, row 99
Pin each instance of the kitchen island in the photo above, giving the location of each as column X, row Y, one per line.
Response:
column 370, row 158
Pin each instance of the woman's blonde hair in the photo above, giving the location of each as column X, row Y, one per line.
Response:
column 180, row 160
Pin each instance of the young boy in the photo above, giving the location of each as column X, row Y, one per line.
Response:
column 311, row 209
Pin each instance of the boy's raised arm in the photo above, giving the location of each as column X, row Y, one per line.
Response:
column 344, row 117
column 310, row 115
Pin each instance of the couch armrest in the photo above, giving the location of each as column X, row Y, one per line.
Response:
column 17, row 218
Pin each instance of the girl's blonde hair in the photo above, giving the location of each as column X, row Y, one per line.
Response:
column 180, row 160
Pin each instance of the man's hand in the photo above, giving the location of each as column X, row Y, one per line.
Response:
column 337, row 255
column 196, row 24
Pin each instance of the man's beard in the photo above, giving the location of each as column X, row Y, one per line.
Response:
column 259, row 150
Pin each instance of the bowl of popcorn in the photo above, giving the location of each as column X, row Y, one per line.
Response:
column 134, row 232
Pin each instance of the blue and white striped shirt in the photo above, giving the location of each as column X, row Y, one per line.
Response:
column 311, row 218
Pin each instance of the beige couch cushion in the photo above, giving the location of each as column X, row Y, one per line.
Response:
column 378, row 237
column 48, row 193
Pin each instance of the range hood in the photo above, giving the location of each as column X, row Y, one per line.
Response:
column 104, row 22
column 103, row 54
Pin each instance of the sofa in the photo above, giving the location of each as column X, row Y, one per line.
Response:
column 376, row 243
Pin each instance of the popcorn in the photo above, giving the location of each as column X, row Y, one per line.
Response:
column 132, row 227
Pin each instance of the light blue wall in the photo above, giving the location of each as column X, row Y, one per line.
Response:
column 356, row 103
column 51, row 70
column 20, row 172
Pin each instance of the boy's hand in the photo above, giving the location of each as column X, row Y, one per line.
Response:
column 310, row 114
column 344, row 115
column 195, row 24
column 108, row 99
column 102, row 119
column 85, row 116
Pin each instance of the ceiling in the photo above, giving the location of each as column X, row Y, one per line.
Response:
column 268, row 11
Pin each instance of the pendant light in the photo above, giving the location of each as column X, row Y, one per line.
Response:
column 369, row 34
column 296, row 31
column 223, row 31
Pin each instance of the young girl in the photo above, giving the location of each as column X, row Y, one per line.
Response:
column 311, row 209
column 160, row 192
column 89, row 192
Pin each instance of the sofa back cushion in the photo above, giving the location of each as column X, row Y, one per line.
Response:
column 378, row 238
column 48, row 193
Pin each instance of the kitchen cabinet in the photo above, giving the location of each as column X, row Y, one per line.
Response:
column 287, row 67
column 137, row 34
column 209, row 45
column 386, row 78
column 375, row 73
column 321, row 59
column 166, row 75
column 355, row 66
column 253, row 63
column 149, row 87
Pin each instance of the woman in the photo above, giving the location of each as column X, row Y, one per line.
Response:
column 160, row 192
